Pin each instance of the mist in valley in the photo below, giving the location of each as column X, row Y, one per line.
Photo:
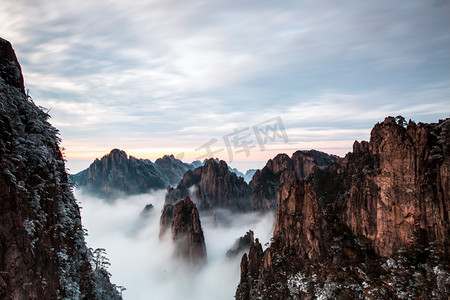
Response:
column 145, row 266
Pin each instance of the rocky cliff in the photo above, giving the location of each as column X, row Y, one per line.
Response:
column 116, row 174
column 250, row 266
column 43, row 254
column 186, row 230
column 265, row 182
column 213, row 186
column 375, row 224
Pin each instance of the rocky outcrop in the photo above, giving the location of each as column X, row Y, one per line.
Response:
column 250, row 268
column 368, row 224
column 186, row 230
column 166, row 220
column 213, row 186
column 43, row 254
column 116, row 174
column 265, row 182
column 306, row 162
column 241, row 245
column 399, row 184
column 300, row 218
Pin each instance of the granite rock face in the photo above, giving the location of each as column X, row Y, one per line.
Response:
column 43, row 254
column 166, row 220
column 265, row 182
column 186, row 231
column 368, row 224
column 213, row 186
column 250, row 266
column 399, row 185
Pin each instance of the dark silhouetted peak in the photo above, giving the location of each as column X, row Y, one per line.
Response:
column 10, row 70
column 241, row 245
column 186, row 230
column 146, row 211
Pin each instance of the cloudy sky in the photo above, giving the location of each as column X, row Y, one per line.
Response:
column 154, row 77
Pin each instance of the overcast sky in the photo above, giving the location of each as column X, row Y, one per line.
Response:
column 154, row 77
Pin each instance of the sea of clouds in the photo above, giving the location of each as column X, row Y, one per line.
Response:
column 145, row 266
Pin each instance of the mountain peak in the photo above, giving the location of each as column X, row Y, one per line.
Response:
column 118, row 153
column 10, row 70
column 186, row 230
column 117, row 174
column 216, row 186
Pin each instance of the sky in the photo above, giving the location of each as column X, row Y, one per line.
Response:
column 177, row 77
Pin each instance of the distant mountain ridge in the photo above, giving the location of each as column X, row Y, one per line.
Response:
column 249, row 175
column 215, row 186
column 117, row 174
column 211, row 183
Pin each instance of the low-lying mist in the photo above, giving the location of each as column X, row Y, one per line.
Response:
column 145, row 266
